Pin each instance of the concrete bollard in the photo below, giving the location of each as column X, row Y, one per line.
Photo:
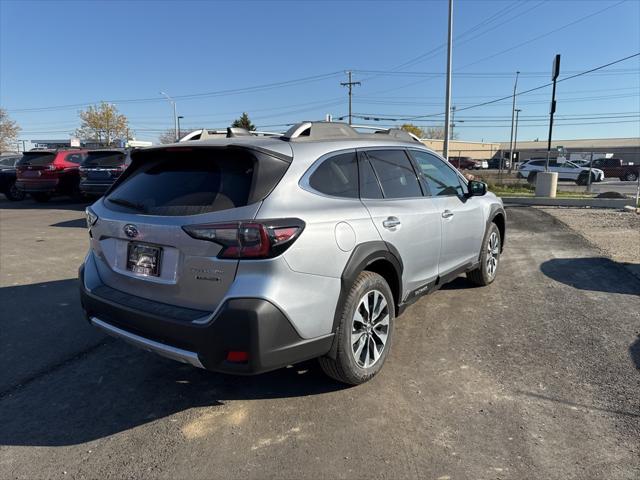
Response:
column 546, row 184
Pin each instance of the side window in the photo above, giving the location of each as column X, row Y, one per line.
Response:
column 369, row 185
column 337, row 176
column 441, row 179
column 75, row 158
column 397, row 177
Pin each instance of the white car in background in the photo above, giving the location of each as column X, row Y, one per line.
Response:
column 566, row 171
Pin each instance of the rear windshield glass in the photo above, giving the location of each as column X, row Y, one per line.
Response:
column 104, row 159
column 37, row 158
column 191, row 182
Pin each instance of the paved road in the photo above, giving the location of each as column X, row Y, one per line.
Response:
column 536, row 376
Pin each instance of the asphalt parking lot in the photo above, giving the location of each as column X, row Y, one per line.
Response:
column 536, row 376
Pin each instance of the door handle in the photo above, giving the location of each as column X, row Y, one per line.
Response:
column 447, row 214
column 391, row 223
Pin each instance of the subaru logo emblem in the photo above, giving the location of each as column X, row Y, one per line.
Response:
column 130, row 231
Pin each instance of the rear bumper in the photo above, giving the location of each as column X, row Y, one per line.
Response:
column 199, row 338
column 38, row 186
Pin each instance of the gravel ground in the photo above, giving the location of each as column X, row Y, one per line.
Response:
column 615, row 233
column 534, row 377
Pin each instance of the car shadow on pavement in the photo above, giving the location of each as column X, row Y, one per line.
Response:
column 76, row 223
column 56, row 203
column 99, row 386
column 634, row 352
column 598, row 274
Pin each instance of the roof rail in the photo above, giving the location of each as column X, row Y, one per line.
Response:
column 398, row 133
column 319, row 131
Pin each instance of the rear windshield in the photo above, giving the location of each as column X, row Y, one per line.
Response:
column 104, row 159
column 190, row 182
column 37, row 158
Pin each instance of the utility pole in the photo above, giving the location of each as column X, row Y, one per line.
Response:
column 175, row 115
column 349, row 85
column 453, row 120
column 515, row 138
column 513, row 111
column 447, row 103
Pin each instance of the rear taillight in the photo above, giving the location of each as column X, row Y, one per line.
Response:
column 250, row 239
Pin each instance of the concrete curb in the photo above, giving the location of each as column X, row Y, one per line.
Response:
column 618, row 203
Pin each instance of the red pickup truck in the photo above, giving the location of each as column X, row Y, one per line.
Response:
column 615, row 167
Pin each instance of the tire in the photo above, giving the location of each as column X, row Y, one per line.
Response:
column 532, row 178
column 583, row 179
column 486, row 272
column 14, row 194
column 359, row 358
column 630, row 176
column 41, row 197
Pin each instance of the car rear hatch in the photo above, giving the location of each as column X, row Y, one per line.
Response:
column 141, row 232
column 34, row 165
column 103, row 166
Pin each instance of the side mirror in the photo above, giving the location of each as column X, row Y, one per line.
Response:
column 476, row 188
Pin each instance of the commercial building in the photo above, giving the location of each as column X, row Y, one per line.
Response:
column 627, row 149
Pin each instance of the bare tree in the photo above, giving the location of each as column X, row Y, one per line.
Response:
column 9, row 131
column 103, row 124
column 437, row 133
column 168, row 136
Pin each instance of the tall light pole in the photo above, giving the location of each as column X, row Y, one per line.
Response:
column 515, row 137
column 175, row 115
column 447, row 106
column 180, row 117
column 513, row 112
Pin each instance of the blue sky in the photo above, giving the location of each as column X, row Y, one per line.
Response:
column 62, row 54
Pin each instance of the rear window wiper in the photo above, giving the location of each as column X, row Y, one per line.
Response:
column 126, row 203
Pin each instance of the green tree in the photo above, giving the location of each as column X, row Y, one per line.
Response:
column 9, row 131
column 244, row 122
column 411, row 128
column 103, row 124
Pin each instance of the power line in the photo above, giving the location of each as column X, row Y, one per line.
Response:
column 550, row 32
column 256, row 88
column 489, row 102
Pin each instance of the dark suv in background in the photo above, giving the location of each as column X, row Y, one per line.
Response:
column 100, row 169
column 46, row 173
column 8, row 177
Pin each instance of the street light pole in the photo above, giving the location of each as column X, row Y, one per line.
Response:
column 447, row 106
column 513, row 111
column 515, row 138
column 175, row 115
column 180, row 117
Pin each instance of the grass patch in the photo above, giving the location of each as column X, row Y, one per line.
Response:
column 527, row 190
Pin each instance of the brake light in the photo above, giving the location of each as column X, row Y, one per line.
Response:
column 259, row 239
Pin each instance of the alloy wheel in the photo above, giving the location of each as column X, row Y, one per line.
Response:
column 370, row 329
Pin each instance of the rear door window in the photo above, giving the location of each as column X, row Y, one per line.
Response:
column 395, row 173
column 337, row 176
column 194, row 181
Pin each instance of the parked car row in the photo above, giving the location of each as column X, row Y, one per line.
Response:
column 565, row 170
column 468, row 163
column 46, row 173
column 614, row 168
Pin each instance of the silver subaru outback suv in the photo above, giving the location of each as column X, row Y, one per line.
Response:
column 246, row 254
